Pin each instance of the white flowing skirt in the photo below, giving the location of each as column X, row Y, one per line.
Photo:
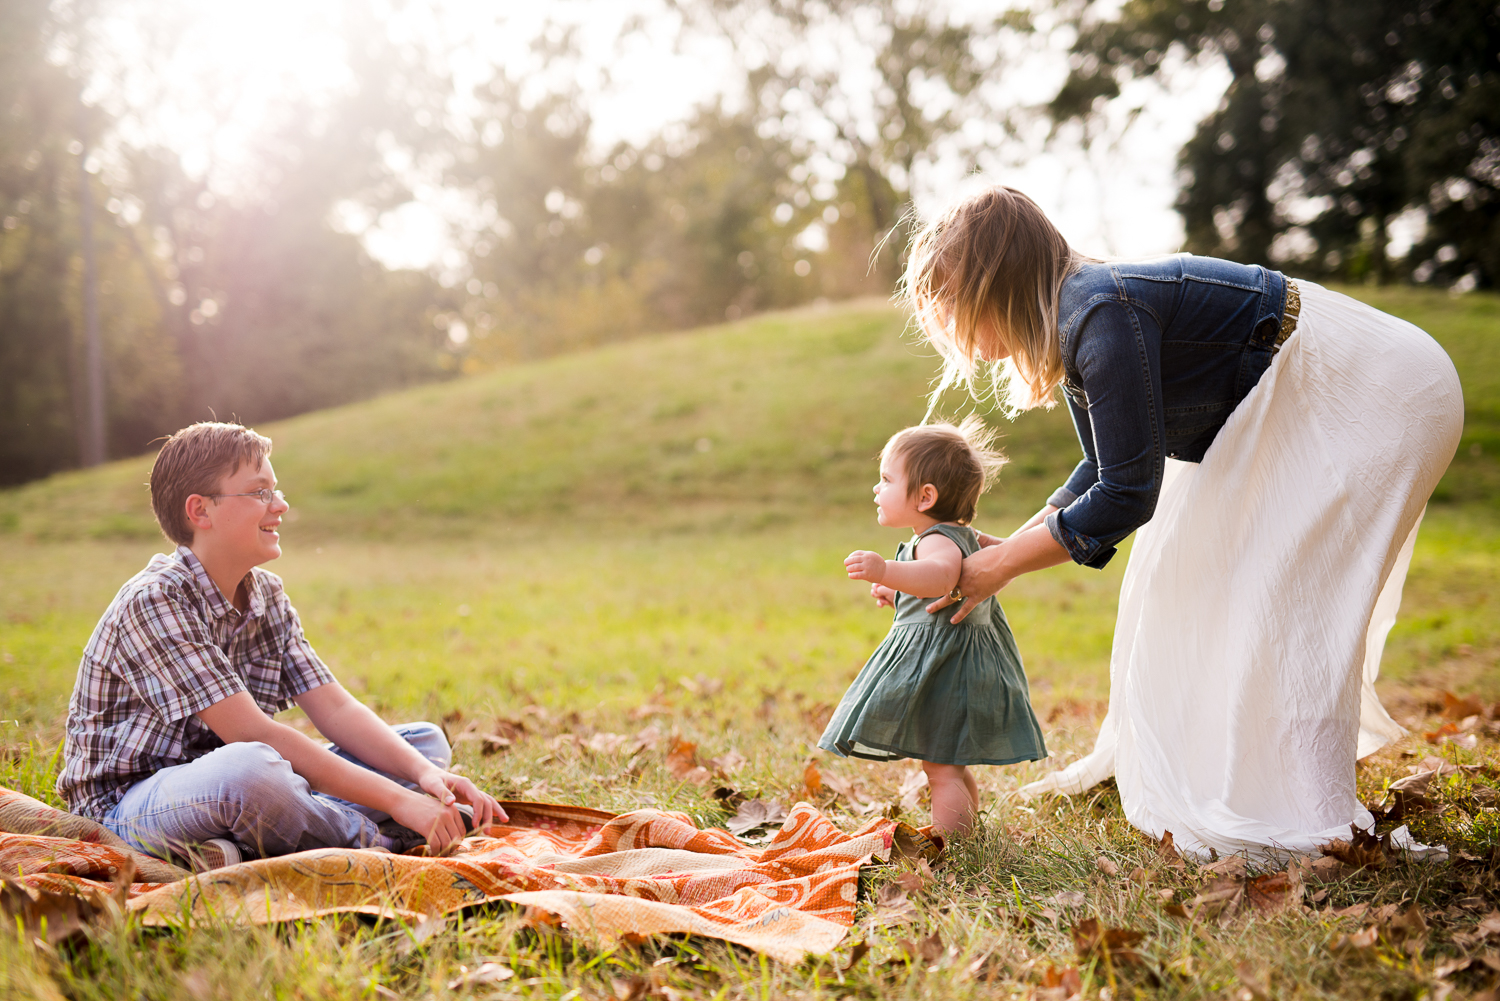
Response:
column 1257, row 600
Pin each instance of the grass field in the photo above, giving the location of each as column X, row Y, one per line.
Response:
column 663, row 522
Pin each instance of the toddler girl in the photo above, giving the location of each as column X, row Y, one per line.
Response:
column 948, row 695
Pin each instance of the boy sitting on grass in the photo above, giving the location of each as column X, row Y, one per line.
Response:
column 170, row 739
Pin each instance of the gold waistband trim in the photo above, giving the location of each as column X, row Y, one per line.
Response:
column 1290, row 313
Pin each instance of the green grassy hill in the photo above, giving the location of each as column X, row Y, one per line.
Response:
column 752, row 422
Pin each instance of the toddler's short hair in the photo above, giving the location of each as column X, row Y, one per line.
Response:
column 960, row 461
column 195, row 460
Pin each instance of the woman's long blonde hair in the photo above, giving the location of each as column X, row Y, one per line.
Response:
column 994, row 259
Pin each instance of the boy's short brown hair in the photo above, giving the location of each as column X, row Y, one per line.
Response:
column 960, row 461
column 195, row 460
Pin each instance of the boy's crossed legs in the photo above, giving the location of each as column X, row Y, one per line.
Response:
column 248, row 793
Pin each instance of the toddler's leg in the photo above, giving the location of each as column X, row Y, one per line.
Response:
column 955, row 797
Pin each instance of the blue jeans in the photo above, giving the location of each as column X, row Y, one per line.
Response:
column 247, row 792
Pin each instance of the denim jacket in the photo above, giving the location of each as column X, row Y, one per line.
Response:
column 1156, row 354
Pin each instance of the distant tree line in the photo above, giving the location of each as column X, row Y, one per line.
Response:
column 258, row 303
column 1341, row 117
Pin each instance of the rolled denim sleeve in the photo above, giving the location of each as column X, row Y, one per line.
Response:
column 1117, row 358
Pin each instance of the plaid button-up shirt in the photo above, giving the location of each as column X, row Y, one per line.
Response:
column 169, row 646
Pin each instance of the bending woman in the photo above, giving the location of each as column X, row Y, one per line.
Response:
column 1277, row 441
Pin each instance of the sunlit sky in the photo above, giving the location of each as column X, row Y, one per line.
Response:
column 232, row 59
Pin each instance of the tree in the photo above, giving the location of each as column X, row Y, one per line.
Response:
column 1339, row 117
column 876, row 85
column 233, row 296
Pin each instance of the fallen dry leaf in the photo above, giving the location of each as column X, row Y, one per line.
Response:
column 1220, row 899
column 493, row 744
column 1230, row 865
column 845, row 788
column 755, row 813
column 729, row 798
column 541, row 790
column 1167, row 849
column 892, row 906
column 1255, row 986
column 812, row 780
column 647, row 739
column 1456, row 708
column 1112, row 945
column 484, row 973
column 631, row 988
column 1436, row 736
column 605, row 743
column 818, row 715
column 1105, row 866
column 1067, row 898
column 911, row 882
column 910, row 793
column 927, row 950
column 1359, row 942
column 682, row 762
column 1488, row 928
column 860, row 951
column 1362, row 851
column 1141, row 876
column 1274, row 892
column 727, row 764
column 649, row 709
column 1416, row 783
column 1408, row 929
column 1325, row 869
column 1490, row 961
column 1065, row 982
column 702, row 686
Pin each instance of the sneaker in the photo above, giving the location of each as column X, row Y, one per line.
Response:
column 215, row 853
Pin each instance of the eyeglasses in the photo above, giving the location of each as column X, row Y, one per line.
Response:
column 263, row 495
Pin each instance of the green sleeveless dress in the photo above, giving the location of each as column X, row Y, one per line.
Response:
column 933, row 691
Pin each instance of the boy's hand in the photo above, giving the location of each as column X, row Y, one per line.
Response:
column 862, row 565
column 443, row 824
column 884, row 596
column 449, row 789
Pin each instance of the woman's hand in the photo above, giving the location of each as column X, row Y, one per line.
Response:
column 988, row 571
column 884, row 596
column 979, row 577
column 862, row 565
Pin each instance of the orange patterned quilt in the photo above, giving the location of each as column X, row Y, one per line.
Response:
column 606, row 876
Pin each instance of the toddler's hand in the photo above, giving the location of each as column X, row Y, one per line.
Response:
column 865, row 566
column 884, row 596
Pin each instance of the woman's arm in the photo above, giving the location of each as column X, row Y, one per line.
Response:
column 989, row 570
column 986, row 539
column 934, row 572
column 1034, row 520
